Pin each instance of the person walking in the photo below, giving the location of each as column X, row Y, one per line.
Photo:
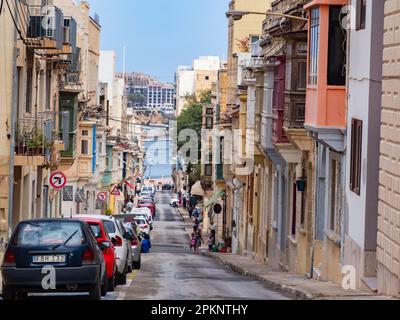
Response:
column 200, row 240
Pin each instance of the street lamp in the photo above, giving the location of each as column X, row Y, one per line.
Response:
column 238, row 15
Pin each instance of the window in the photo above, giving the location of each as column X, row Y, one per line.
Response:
column 294, row 212
column 85, row 147
column 208, row 170
column 209, row 111
column 209, row 123
column 29, row 74
column 355, row 160
column 207, row 78
column 361, row 13
column 85, row 133
column 301, row 84
column 332, row 211
column 254, row 39
column 68, row 194
column 48, row 90
column 336, row 48
column 314, row 46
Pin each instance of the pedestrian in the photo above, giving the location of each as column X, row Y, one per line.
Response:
column 211, row 242
column 199, row 240
column 129, row 206
column 184, row 201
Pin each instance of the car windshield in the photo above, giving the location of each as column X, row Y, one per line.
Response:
column 140, row 221
column 49, row 233
column 110, row 226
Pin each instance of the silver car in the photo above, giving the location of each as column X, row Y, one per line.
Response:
column 136, row 245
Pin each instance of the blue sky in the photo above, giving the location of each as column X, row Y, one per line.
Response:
column 159, row 35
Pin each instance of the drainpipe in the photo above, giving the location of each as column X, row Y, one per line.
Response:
column 14, row 106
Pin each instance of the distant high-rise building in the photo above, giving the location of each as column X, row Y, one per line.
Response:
column 144, row 91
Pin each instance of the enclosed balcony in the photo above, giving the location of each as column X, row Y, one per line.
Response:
column 325, row 114
column 45, row 27
column 278, row 133
column 69, row 39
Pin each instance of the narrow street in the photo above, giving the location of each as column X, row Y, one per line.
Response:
column 170, row 272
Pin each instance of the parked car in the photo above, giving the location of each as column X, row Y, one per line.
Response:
column 147, row 194
column 136, row 246
column 109, row 252
column 148, row 204
column 143, row 225
column 67, row 245
column 120, row 239
column 145, row 212
column 148, row 189
column 174, row 203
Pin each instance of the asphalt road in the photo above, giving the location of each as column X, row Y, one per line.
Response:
column 171, row 272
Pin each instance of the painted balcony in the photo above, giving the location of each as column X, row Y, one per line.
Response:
column 325, row 114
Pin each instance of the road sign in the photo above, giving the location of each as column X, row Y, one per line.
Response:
column 116, row 192
column 130, row 185
column 102, row 196
column 58, row 180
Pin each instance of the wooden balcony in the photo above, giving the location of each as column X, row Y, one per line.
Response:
column 278, row 132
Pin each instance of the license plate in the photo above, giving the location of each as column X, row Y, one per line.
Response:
column 50, row 259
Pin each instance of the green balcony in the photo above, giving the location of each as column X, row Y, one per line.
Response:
column 107, row 177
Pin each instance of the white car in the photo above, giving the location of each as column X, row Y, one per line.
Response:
column 148, row 189
column 120, row 239
column 143, row 225
column 174, row 203
column 144, row 212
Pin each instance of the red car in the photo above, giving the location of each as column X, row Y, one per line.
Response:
column 107, row 247
column 144, row 203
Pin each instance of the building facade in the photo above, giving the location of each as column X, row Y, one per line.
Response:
column 388, row 252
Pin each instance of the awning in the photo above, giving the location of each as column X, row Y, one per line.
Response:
column 197, row 189
column 214, row 199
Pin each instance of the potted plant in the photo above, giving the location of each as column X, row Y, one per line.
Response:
column 36, row 142
column 20, row 140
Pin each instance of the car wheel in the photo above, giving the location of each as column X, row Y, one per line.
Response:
column 138, row 264
column 95, row 291
column 9, row 293
column 122, row 278
column 111, row 283
column 104, row 286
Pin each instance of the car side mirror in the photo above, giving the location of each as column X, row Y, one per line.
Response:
column 105, row 245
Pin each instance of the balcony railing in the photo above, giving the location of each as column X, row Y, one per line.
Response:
column 33, row 137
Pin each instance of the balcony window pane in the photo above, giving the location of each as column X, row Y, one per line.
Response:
column 337, row 48
column 314, row 46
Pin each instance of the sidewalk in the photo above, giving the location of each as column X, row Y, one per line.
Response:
column 292, row 285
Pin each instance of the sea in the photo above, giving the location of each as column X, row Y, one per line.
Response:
column 159, row 153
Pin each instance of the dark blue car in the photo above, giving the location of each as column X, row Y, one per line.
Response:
column 54, row 255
